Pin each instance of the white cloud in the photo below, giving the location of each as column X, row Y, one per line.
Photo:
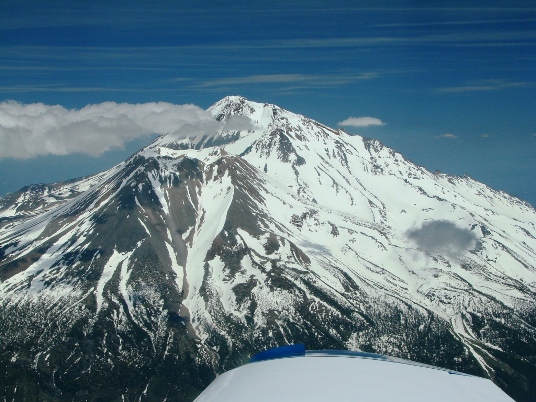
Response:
column 30, row 130
column 361, row 122
column 447, row 135
column 238, row 123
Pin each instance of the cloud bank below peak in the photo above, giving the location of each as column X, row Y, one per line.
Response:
column 31, row 130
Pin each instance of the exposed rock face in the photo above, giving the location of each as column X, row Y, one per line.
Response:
column 147, row 280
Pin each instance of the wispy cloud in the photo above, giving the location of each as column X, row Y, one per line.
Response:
column 141, row 13
column 459, row 22
column 447, row 135
column 361, row 122
column 294, row 79
column 446, row 39
column 30, row 130
column 485, row 85
column 456, row 38
column 258, row 79
column 66, row 88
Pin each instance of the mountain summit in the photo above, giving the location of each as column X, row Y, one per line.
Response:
column 145, row 281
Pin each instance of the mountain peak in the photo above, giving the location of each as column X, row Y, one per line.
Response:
column 261, row 113
column 236, row 118
column 233, row 105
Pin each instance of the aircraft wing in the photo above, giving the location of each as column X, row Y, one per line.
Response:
column 290, row 373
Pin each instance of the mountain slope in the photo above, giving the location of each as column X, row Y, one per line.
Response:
column 180, row 262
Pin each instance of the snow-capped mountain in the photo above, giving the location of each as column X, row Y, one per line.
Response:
column 145, row 281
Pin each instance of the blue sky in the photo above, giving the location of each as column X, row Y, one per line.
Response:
column 453, row 82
